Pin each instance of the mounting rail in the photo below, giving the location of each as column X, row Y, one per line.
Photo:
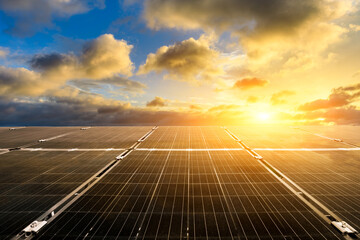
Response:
column 34, row 227
column 347, row 231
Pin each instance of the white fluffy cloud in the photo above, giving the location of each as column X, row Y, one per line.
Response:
column 104, row 58
column 190, row 60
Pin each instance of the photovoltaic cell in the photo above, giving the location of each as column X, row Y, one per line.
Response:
column 189, row 137
column 346, row 133
column 203, row 195
column 98, row 137
column 32, row 182
column 282, row 137
column 331, row 177
column 30, row 135
column 166, row 194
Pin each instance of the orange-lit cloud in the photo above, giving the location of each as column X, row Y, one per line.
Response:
column 280, row 97
column 248, row 83
column 340, row 116
column 338, row 108
column 195, row 107
column 339, row 97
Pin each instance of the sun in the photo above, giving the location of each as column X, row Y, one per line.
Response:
column 263, row 116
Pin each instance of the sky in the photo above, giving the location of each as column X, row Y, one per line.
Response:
column 179, row 62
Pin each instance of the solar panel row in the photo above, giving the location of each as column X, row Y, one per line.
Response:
column 177, row 194
column 337, row 185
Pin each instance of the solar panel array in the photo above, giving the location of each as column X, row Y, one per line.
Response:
column 177, row 182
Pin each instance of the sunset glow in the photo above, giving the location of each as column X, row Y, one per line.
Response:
column 263, row 116
column 179, row 62
column 179, row 119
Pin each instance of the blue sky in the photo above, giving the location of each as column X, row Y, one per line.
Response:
column 208, row 61
column 123, row 21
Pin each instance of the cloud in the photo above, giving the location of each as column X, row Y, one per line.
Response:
column 338, row 108
column 69, row 106
column 349, row 115
column 21, row 81
column 53, row 61
column 190, row 60
column 157, row 102
column 3, row 52
column 106, row 56
column 265, row 30
column 195, row 107
column 340, row 116
column 357, row 74
column 354, row 27
column 124, row 84
column 252, row 99
column 339, row 97
column 102, row 59
column 244, row 15
column 278, row 98
column 248, row 83
column 32, row 16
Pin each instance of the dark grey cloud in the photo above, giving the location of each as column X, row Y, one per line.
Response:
column 252, row 16
column 31, row 16
column 263, row 28
column 67, row 112
column 46, row 62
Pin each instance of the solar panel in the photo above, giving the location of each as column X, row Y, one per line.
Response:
column 282, row 137
column 175, row 194
column 349, row 134
column 28, row 135
column 332, row 177
column 99, row 137
column 32, row 182
column 179, row 182
column 189, row 138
